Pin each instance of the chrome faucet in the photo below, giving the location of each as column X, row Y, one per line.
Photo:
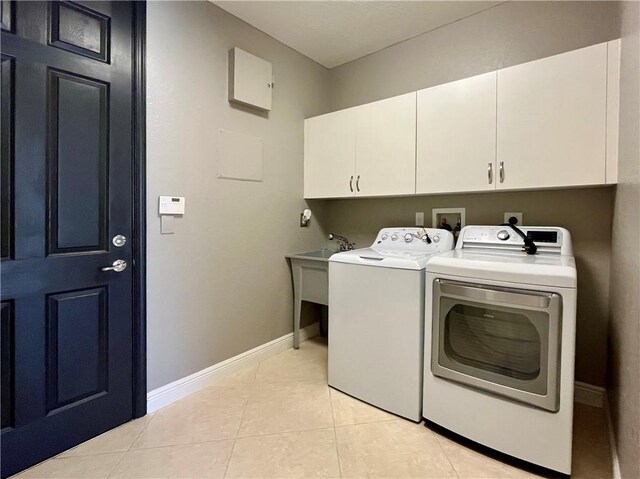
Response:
column 345, row 244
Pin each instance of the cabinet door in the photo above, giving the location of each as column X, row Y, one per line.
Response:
column 330, row 153
column 386, row 147
column 456, row 137
column 552, row 120
column 613, row 109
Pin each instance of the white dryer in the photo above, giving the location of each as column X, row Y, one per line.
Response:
column 500, row 342
column 376, row 318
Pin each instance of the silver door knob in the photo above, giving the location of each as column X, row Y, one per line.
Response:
column 118, row 266
column 119, row 241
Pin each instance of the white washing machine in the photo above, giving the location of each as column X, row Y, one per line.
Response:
column 500, row 342
column 376, row 318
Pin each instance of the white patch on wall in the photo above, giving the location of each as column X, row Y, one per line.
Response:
column 240, row 156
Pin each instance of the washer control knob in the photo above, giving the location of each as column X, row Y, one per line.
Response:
column 394, row 237
column 436, row 238
column 503, row 235
column 408, row 238
column 384, row 236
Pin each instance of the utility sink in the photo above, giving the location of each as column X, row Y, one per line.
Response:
column 318, row 255
column 310, row 272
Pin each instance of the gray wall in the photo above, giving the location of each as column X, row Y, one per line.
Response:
column 220, row 285
column 624, row 359
column 505, row 35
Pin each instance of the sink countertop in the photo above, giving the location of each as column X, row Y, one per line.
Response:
column 322, row 255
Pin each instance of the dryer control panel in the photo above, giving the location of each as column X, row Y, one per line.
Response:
column 548, row 239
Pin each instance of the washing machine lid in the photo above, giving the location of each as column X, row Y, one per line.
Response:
column 513, row 267
column 382, row 258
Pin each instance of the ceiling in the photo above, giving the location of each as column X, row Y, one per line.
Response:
column 337, row 32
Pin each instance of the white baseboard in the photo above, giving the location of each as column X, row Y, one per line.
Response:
column 588, row 394
column 165, row 395
column 612, row 441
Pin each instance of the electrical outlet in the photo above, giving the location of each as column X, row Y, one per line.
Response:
column 420, row 218
column 509, row 214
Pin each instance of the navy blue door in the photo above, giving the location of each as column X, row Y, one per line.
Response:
column 66, row 337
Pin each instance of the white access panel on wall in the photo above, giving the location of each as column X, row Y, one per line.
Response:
column 250, row 79
column 456, row 136
column 239, row 156
column 552, row 121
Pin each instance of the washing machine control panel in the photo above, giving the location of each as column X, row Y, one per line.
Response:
column 413, row 240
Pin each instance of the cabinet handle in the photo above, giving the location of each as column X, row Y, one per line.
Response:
column 502, row 172
column 490, row 173
column 351, row 184
column 358, row 183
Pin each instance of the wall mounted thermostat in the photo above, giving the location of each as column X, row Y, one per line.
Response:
column 171, row 205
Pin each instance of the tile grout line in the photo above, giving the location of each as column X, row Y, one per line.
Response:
column 115, row 467
column 435, row 437
column 141, row 431
column 209, row 441
column 286, row 432
column 335, row 434
column 246, row 405
column 253, row 386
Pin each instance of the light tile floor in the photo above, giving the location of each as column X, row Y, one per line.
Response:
column 281, row 420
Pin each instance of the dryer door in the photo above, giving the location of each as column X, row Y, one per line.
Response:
column 502, row 340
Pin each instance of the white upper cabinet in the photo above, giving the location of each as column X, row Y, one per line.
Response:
column 456, row 137
column 368, row 150
column 386, row 147
column 613, row 109
column 552, row 121
column 330, row 155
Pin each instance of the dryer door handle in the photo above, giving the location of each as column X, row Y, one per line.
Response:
column 531, row 299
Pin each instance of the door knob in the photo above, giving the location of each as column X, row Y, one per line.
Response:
column 118, row 266
column 119, row 241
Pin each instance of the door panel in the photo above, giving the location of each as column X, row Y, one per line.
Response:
column 79, row 29
column 330, row 155
column 66, row 191
column 78, row 133
column 552, row 120
column 7, row 364
column 7, row 12
column 7, row 157
column 456, row 136
column 386, row 147
column 76, row 370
